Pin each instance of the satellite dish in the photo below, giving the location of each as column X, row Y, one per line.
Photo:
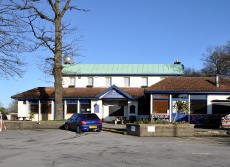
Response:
column 71, row 61
column 68, row 60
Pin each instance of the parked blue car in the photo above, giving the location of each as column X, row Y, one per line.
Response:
column 84, row 122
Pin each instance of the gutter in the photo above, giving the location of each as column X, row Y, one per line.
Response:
column 186, row 91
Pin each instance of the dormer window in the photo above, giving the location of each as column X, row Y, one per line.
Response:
column 72, row 81
column 144, row 81
column 108, row 81
column 90, row 82
column 126, row 81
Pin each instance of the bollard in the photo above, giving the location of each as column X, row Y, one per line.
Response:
column 0, row 121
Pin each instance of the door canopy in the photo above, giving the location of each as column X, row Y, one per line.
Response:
column 114, row 93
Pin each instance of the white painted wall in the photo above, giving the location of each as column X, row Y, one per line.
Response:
column 100, row 81
column 214, row 97
column 23, row 109
column 106, row 114
column 135, row 82
column 35, row 117
column 65, row 82
column 118, row 81
column 153, row 80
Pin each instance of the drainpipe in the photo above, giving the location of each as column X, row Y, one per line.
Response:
column 217, row 81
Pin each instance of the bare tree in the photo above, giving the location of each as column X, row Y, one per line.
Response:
column 52, row 31
column 13, row 107
column 11, row 43
column 190, row 72
column 217, row 61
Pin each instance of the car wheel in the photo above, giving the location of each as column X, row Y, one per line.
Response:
column 66, row 127
column 78, row 129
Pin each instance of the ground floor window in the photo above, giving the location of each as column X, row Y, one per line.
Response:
column 198, row 106
column 71, row 108
column 45, row 107
column 143, row 106
column 160, row 103
column 85, row 108
column 160, row 106
column 34, row 108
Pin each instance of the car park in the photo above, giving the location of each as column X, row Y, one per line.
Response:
column 82, row 122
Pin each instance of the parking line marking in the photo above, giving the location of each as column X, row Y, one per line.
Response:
column 200, row 153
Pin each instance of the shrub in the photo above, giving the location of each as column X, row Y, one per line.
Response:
column 159, row 121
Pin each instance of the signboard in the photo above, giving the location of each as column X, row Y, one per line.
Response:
column 151, row 129
column 160, row 116
column 133, row 128
column 96, row 108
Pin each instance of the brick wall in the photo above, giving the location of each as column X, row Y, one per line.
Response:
column 33, row 124
column 160, row 130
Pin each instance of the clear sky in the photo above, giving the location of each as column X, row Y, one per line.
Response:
column 137, row 32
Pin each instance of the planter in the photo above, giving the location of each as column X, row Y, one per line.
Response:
column 160, row 130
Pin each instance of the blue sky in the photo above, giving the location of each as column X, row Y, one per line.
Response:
column 136, row 32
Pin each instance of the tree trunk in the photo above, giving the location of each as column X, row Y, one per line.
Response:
column 58, row 68
column 58, row 92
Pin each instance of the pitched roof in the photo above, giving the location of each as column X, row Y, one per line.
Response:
column 190, row 84
column 123, row 69
column 49, row 93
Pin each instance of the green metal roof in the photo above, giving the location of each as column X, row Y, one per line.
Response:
column 123, row 69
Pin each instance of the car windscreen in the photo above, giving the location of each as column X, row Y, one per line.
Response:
column 90, row 116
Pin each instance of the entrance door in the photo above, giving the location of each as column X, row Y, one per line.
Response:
column 113, row 109
column 132, row 116
column 117, row 111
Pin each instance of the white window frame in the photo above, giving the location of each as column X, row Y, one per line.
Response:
column 126, row 81
column 72, row 81
column 144, row 81
column 90, row 81
column 108, row 81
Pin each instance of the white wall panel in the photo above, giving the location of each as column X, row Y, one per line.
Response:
column 214, row 97
column 100, row 81
column 23, row 109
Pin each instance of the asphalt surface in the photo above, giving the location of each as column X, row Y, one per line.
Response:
column 54, row 148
